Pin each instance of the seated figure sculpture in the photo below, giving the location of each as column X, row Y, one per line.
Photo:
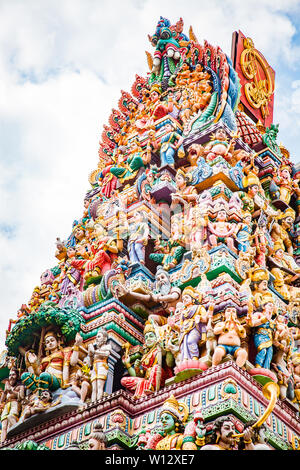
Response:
column 148, row 374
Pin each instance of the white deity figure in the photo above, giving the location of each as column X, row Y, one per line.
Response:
column 97, row 361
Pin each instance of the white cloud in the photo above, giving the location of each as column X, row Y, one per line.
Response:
column 62, row 66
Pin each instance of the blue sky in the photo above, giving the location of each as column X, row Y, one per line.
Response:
column 62, row 66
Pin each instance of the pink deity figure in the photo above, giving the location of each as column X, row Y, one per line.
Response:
column 47, row 277
column 219, row 146
column 196, row 226
column 229, row 333
column 221, row 231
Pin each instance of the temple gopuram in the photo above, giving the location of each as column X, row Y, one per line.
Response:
column 170, row 318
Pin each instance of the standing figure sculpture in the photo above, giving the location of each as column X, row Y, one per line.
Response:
column 261, row 320
column 171, row 143
column 138, row 238
column 52, row 372
column 97, row 361
column 10, row 402
column 192, row 325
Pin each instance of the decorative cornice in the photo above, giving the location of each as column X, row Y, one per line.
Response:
column 134, row 408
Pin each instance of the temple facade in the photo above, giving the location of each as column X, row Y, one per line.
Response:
column 171, row 318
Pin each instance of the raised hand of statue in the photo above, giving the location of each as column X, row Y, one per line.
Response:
column 31, row 357
column 78, row 339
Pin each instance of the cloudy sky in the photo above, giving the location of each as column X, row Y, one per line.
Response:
column 62, row 66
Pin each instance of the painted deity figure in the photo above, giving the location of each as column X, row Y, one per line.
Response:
column 221, row 231
column 163, row 293
column 138, row 238
column 284, row 273
column 172, row 417
column 171, row 143
column 259, row 287
column 243, row 232
column 128, row 166
column 284, row 343
column 295, row 360
column 261, row 321
column 70, row 275
column 10, row 402
column 192, row 330
column 196, row 228
column 285, row 183
column 222, row 437
column 98, row 354
column 40, row 404
column 157, row 109
column 101, row 248
column 219, row 146
column 146, row 375
column 185, row 193
column 280, row 230
column 229, row 332
column 52, row 372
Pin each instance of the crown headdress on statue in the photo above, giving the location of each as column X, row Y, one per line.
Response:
column 250, row 180
column 191, row 292
column 178, row 410
column 260, row 274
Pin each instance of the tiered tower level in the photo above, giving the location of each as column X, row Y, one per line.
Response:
column 171, row 318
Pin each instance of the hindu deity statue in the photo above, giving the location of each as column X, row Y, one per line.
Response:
column 157, row 109
column 128, row 165
column 70, row 276
column 222, row 437
column 243, row 232
column 229, row 334
column 295, row 360
column 169, row 253
column 284, row 271
column 39, row 404
column 138, row 238
column 281, row 228
column 259, row 286
column 251, row 181
column 11, row 402
column 97, row 356
column 52, row 371
column 221, row 231
column 192, row 328
column 285, row 183
column 147, row 374
column 185, row 193
column 262, row 322
column 101, row 248
column 218, row 146
column 173, row 417
column 171, row 143
column 283, row 342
